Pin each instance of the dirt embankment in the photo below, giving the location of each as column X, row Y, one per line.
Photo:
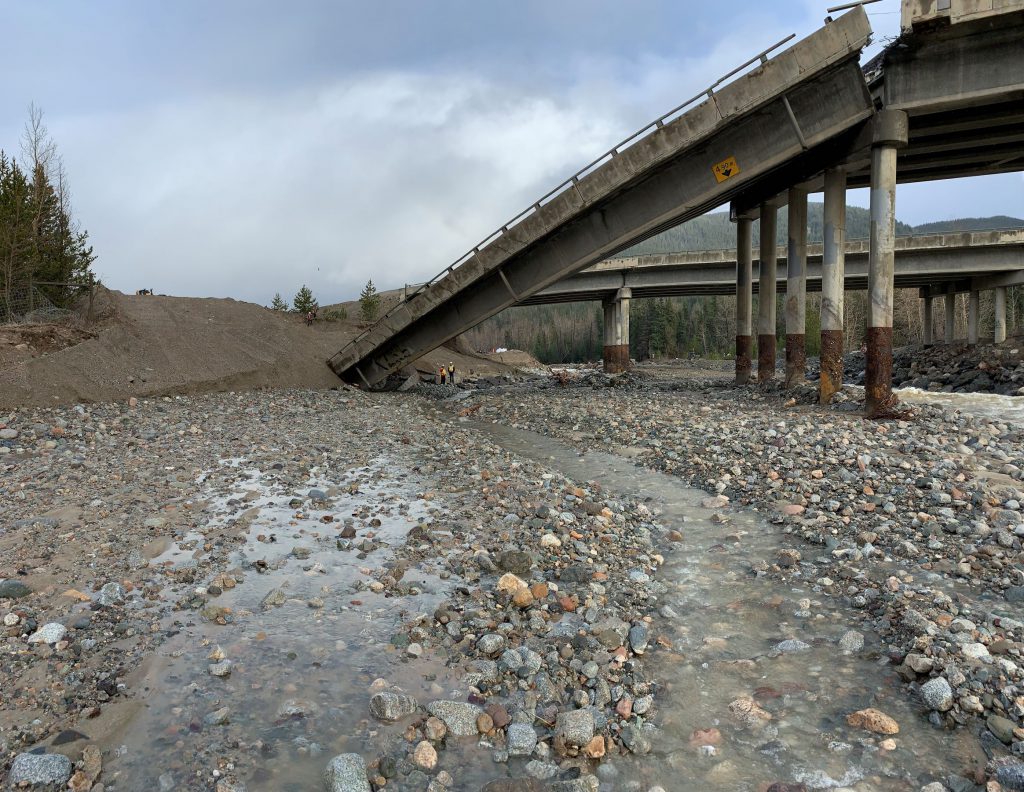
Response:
column 148, row 345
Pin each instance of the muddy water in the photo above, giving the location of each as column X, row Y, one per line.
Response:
column 725, row 624
column 982, row 405
column 300, row 676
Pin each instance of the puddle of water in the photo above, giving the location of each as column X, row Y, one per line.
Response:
column 724, row 624
column 300, row 677
column 1009, row 409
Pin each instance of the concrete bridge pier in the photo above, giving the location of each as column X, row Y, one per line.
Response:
column 766, row 295
column 796, row 289
column 616, row 332
column 1000, row 312
column 973, row 306
column 744, row 297
column 929, row 339
column 950, row 305
column 889, row 133
column 833, row 273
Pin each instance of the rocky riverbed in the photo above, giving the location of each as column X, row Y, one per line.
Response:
column 300, row 590
column 916, row 523
column 949, row 368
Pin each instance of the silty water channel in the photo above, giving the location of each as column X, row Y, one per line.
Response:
column 982, row 405
column 736, row 635
column 279, row 666
column 302, row 671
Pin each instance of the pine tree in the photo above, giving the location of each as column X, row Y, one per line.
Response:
column 369, row 302
column 303, row 301
column 15, row 232
column 277, row 304
column 39, row 239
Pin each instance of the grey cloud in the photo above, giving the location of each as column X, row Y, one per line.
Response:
column 242, row 148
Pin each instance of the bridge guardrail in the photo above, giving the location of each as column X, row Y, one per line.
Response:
column 658, row 123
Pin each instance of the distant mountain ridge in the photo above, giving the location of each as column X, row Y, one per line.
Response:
column 716, row 232
column 969, row 224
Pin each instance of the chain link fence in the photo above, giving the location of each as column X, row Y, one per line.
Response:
column 29, row 304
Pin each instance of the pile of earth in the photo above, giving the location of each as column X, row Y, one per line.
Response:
column 157, row 345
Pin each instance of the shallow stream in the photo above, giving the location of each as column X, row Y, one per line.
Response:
column 982, row 405
column 303, row 670
column 725, row 623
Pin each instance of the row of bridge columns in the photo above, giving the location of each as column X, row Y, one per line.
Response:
column 973, row 306
column 890, row 132
column 796, row 289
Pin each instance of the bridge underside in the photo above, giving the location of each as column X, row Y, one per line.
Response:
column 962, row 88
column 928, row 266
column 936, row 285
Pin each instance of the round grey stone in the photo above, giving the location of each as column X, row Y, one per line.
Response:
column 638, row 638
column 521, row 738
column 491, row 643
column 13, row 589
column 49, row 633
column 39, row 772
column 792, row 645
column 937, row 694
column 111, row 594
column 459, row 717
column 346, row 773
column 575, row 727
column 1010, row 773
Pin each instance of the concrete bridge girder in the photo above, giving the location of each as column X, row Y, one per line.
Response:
column 961, row 87
column 802, row 97
column 919, row 261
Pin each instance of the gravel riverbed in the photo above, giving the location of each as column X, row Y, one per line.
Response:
column 297, row 590
column 916, row 523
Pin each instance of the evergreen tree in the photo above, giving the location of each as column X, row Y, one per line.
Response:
column 39, row 239
column 369, row 302
column 303, row 301
column 277, row 304
column 15, row 232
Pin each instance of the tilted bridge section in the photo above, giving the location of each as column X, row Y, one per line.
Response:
column 675, row 169
column 945, row 100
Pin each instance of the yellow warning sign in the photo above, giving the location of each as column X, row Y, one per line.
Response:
column 726, row 169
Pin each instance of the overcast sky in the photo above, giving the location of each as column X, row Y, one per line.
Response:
column 242, row 147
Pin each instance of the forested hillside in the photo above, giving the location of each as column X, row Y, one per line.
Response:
column 716, row 231
column 679, row 326
column 969, row 224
